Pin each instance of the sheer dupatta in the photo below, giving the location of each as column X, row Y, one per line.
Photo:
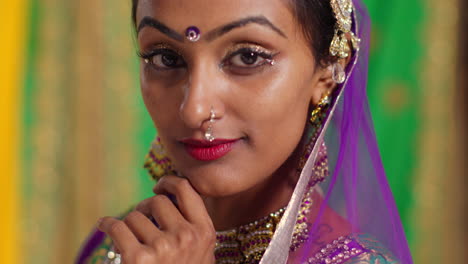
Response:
column 355, row 200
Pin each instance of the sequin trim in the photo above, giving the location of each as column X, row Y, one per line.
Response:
column 337, row 252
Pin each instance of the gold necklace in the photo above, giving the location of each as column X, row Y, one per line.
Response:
column 247, row 244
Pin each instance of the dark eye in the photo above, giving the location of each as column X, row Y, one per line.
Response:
column 249, row 59
column 164, row 59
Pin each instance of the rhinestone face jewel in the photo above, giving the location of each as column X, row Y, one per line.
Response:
column 192, row 33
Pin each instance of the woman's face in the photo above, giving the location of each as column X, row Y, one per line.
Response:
column 251, row 65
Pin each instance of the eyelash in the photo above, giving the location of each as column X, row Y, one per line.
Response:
column 256, row 51
column 148, row 56
column 265, row 55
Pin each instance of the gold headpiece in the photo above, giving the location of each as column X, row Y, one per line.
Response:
column 339, row 47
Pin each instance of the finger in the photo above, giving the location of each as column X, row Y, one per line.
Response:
column 144, row 207
column 142, row 227
column 119, row 232
column 166, row 215
column 188, row 200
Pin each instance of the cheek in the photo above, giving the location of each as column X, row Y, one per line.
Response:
column 150, row 98
column 277, row 104
column 275, row 114
column 279, row 126
column 161, row 102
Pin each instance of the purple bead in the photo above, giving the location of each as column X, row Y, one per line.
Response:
column 192, row 33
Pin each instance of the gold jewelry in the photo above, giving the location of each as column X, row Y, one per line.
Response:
column 317, row 117
column 156, row 161
column 317, row 113
column 209, row 131
column 247, row 244
column 339, row 47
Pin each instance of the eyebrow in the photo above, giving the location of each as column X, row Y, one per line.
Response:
column 261, row 20
column 213, row 34
column 151, row 22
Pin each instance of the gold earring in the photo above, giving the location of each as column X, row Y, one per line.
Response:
column 317, row 117
column 156, row 161
column 317, row 114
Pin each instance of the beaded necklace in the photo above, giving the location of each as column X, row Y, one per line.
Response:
column 247, row 244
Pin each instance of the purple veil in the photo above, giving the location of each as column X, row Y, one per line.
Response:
column 356, row 189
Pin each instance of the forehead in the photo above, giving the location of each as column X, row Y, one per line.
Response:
column 209, row 14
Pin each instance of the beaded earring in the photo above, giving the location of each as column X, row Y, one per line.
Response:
column 319, row 112
column 156, row 161
column 317, row 117
column 319, row 171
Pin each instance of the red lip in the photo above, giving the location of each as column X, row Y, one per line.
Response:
column 208, row 151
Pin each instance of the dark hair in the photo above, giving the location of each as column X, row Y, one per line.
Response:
column 316, row 19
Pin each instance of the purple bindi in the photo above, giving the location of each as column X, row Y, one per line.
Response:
column 192, row 33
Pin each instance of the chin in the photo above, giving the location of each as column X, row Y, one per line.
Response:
column 217, row 183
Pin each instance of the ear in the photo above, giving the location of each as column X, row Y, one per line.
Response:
column 325, row 83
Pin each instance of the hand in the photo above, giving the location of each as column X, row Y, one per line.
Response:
column 185, row 234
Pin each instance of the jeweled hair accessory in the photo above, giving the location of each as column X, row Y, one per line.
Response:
column 339, row 47
column 193, row 33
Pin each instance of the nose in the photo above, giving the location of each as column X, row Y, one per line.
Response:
column 200, row 97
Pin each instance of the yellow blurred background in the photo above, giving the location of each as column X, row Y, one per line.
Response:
column 74, row 131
